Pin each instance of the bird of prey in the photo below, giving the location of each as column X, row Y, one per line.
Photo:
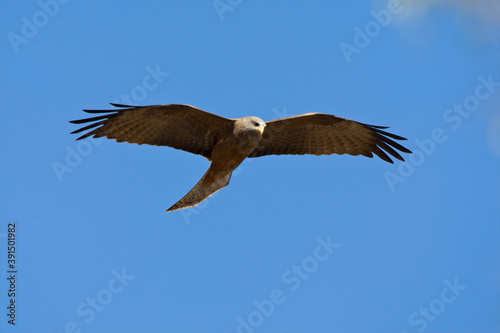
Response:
column 227, row 142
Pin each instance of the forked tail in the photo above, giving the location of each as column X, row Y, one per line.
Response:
column 211, row 182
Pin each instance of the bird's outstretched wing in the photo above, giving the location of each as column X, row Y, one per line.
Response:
column 175, row 125
column 324, row 134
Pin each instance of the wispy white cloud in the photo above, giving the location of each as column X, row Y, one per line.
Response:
column 478, row 19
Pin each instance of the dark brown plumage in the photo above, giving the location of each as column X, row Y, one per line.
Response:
column 227, row 142
column 324, row 134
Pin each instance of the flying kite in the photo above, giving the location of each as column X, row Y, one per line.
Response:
column 227, row 142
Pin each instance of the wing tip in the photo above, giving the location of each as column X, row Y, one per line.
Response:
column 387, row 145
column 118, row 105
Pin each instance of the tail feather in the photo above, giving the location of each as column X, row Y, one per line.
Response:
column 211, row 182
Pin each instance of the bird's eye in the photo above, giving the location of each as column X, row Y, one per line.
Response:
column 256, row 124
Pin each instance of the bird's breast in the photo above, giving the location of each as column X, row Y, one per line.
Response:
column 230, row 152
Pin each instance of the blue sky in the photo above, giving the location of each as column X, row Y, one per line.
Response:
column 294, row 243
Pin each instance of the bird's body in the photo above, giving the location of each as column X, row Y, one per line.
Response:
column 226, row 156
column 227, row 142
